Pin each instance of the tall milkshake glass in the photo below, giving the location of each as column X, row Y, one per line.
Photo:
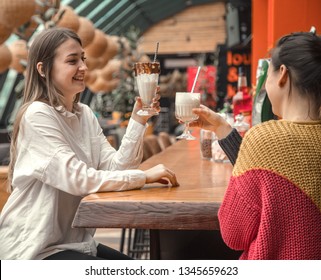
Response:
column 147, row 74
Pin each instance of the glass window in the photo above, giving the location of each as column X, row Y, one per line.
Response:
column 6, row 90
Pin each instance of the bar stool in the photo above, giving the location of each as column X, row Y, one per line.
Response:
column 164, row 140
column 137, row 243
column 151, row 141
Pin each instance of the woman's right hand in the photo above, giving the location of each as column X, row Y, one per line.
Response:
column 139, row 105
column 161, row 174
column 209, row 120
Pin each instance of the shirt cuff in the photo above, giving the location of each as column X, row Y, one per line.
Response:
column 137, row 178
column 136, row 129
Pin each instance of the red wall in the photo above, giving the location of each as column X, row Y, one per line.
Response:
column 272, row 19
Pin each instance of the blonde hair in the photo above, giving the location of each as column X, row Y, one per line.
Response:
column 40, row 87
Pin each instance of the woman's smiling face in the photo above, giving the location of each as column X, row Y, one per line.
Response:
column 69, row 69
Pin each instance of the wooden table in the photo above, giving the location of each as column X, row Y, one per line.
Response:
column 192, row 206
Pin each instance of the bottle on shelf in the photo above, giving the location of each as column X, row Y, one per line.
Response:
column 242, row 101
column 262, row 108
column 241, row 125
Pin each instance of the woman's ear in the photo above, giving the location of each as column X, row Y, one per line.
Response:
column 284, row 75
column 40, row 69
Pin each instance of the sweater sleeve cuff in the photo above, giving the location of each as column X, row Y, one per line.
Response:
column 231, row 145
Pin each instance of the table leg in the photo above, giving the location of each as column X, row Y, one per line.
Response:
column 154, row 244
column 189, row 244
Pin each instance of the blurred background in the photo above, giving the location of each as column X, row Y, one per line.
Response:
column 226, row 38
column 219, row 35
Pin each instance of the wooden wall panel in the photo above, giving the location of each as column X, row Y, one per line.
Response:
column 197, row 29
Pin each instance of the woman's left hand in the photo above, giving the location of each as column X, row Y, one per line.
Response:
column 139, row 105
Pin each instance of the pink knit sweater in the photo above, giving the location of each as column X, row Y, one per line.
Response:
column 272, row 207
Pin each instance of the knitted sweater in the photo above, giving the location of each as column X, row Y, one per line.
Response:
column 272, row 207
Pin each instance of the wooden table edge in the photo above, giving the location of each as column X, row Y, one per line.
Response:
column 190, row 216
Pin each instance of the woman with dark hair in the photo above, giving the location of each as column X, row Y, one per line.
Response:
column 59, row 154
column 272, row 206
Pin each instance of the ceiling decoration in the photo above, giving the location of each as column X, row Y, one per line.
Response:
column 115, row 17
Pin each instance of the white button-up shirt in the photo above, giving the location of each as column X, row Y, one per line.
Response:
column 62, row 157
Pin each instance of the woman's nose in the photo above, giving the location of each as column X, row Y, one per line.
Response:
column 83, row 66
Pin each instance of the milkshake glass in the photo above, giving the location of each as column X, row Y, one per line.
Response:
column 147, row 74
column 184, row 103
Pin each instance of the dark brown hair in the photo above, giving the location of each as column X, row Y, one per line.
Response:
column 300, row 52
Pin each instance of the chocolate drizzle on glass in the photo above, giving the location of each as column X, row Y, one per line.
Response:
column 146, row 68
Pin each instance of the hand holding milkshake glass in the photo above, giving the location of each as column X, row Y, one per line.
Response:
column 147, row 74
column 184, row 103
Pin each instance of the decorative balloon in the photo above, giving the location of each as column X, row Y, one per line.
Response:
column 5, row 32
column 5, row 57
column 86, row 31
column 14, row 13
column 144, row 58
column 101, row 85
column 19, row 53
column 66, row 17
column 99, row 44
column 91, row 77
column 111, row 70
column 113, row 46
column 92, row 63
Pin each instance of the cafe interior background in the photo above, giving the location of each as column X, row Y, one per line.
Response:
column 219, row 35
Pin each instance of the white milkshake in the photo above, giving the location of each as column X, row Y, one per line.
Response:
column 184, row 103
column 147, row 84
column 147, row 74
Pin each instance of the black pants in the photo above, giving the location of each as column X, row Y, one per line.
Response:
column 103, row 253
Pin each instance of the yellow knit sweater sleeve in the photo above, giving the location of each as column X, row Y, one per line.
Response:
column 291, row 150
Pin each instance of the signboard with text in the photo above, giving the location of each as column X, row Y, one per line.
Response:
column 234, row 60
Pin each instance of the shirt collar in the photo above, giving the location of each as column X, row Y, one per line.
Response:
column 67, row 113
